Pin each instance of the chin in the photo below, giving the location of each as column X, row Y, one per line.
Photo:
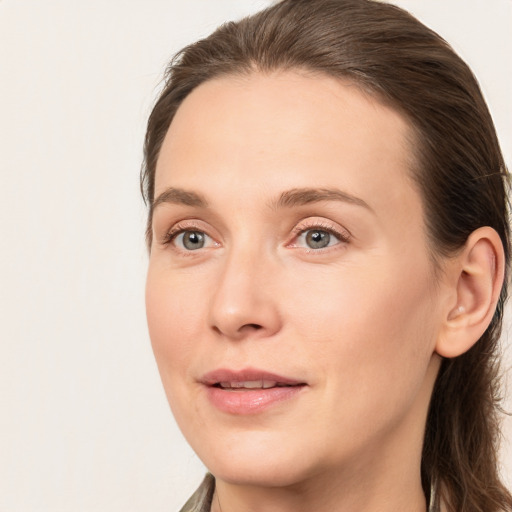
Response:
column 259, row 460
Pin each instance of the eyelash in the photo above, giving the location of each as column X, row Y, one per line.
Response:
column 343, row 237
column 178, row 229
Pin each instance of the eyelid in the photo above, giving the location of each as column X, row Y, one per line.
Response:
column 186, row 225
column 342, row 234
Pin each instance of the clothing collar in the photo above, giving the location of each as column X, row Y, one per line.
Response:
column 201, row 500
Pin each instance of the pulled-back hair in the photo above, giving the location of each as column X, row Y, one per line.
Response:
column 458, row 167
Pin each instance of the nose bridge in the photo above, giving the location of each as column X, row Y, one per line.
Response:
column 243, row 303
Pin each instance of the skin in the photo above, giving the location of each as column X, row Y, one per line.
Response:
column 358, row 320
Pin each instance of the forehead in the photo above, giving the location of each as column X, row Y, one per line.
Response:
column 287, row 130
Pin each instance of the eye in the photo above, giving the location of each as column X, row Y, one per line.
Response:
column 315, row 235
column 190, row 240
column 317, row 238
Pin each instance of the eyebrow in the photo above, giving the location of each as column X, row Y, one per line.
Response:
column 287, row 199
column 180, row 196
column 304, row 196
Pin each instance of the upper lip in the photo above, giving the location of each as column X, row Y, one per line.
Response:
column 246, row 375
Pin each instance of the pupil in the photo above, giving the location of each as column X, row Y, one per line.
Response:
column 318, row 239
column 193, row 240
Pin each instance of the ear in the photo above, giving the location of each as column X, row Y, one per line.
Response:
column 476, row 275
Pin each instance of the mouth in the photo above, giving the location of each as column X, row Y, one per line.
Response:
column 252, row 384
column 248, row 378
column 249, row 391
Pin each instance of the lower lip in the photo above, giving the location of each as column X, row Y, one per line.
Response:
column 250, row 401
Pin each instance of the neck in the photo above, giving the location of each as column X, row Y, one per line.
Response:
column 364, row 499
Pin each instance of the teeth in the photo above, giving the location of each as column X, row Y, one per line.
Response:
column 249, row 384
column 252, row 384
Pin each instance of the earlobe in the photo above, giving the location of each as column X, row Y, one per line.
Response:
column 477, row 275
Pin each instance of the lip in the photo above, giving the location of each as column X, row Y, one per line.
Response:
column 249, row 401
column 247, row 374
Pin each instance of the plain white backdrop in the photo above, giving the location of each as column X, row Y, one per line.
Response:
column 84, row 424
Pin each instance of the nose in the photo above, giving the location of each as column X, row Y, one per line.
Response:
column 245, row 303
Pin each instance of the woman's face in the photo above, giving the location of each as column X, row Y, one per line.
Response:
column 290, row 298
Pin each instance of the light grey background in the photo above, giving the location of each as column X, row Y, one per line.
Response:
column 84, row 424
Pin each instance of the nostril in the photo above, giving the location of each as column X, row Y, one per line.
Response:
column 252, row 326
column 247, row 328
column 243, row 329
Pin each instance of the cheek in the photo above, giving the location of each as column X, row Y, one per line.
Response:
column 356, row 300
column 172, row 310
column 368, row 330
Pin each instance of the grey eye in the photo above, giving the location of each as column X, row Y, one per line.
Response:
column 191, row 240
column 317, row 239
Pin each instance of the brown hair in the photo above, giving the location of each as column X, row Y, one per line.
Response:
column 459, row 169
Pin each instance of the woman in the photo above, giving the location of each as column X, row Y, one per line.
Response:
column 329, row 245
